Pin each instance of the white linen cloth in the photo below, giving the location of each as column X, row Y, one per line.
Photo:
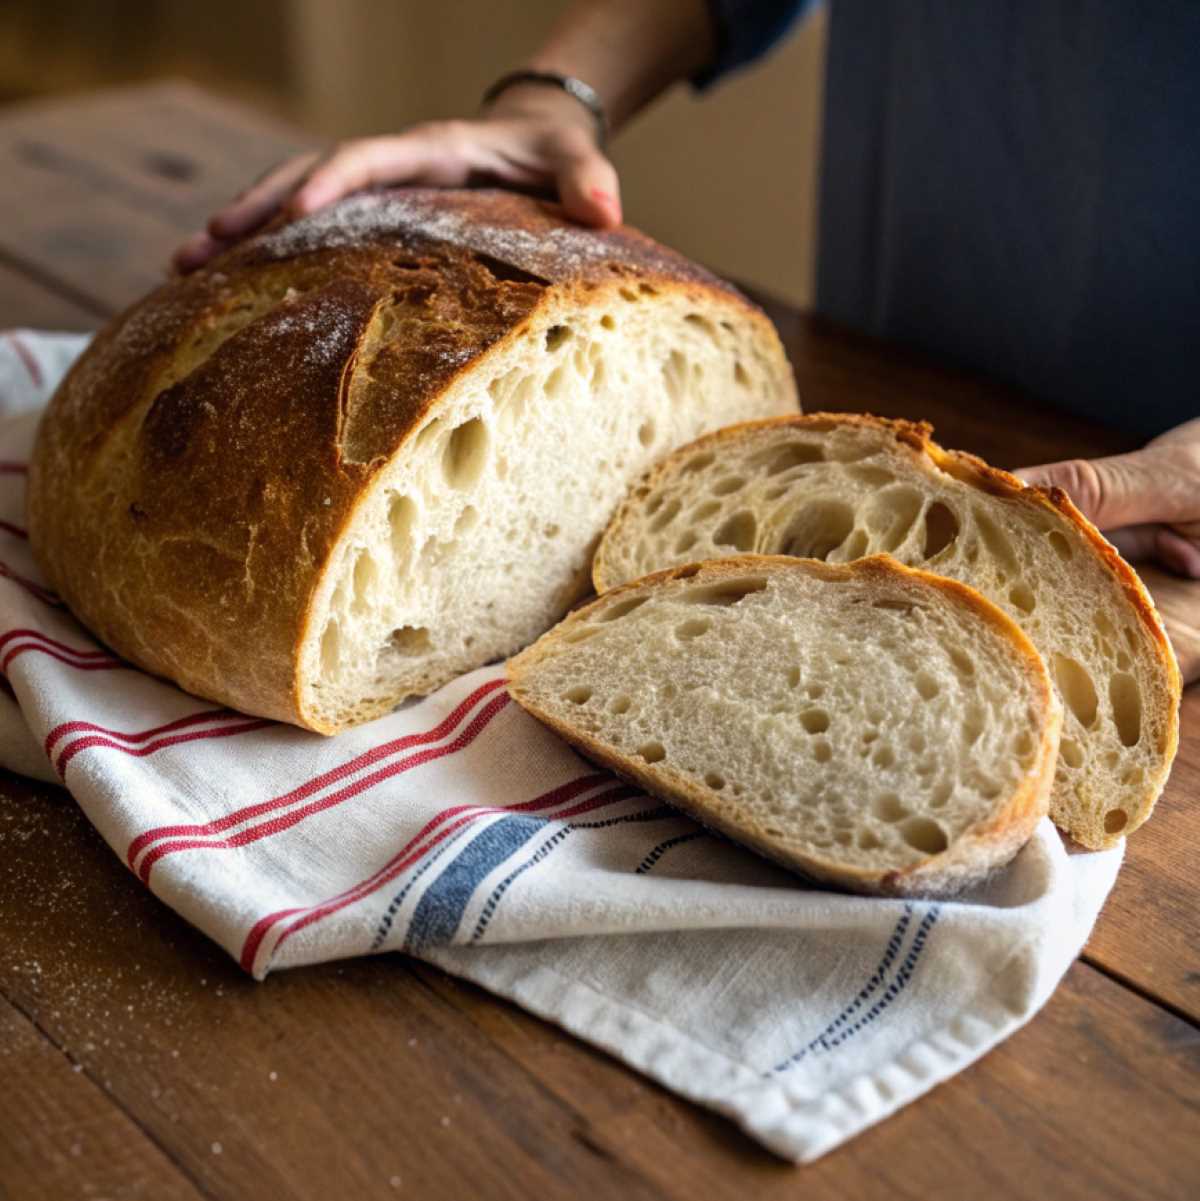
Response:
column 461, row 831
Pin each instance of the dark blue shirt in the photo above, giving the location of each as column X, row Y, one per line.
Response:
column 1015, row 184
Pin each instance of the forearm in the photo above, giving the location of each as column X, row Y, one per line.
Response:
column 630, row 51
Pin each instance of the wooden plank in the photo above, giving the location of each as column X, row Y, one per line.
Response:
column 25, row 302
column 1099, row 1096
column 62, row 1136
column 98, row 195
column 328, row 1082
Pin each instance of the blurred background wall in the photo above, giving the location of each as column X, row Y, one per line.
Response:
column 728, row 177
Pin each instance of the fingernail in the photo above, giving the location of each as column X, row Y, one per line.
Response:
column 606, row 200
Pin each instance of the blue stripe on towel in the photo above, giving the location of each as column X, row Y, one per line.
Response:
column 441, row 908
column 547, row 847
column 845, row 1024
column 663, row 847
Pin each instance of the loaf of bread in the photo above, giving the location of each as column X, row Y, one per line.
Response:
column 875, row 727
column 838, row 486
column 368, row 451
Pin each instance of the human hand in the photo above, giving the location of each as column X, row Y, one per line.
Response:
column 1148, row 505
column 525, row 140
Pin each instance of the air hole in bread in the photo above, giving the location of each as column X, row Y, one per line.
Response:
column 884, row 757
column 888, row 807
column 894, row 606
column 702, row 323
column 924, row 834
column 692, row 628
column 646, row 433
column 468, row 519
column 1022, row 597
column 366, row 575
column 582, row 634
column 1115, row 821
column 727, row 592
column 1062, row 547
column 466, row 453
column 705, row 511
column 1076, row 688
column 996, row 540
column 737, row 531
column 778, row 459
column 941, row 794
column 579, row 695
column 815, row 721
column 893, row 513
column 699, row 462
column 665, row 515
column 1023, row 744
column 1070, row 752
column 556, row 335
column 714, row 780
column 1123, row 661
column 793, row 677
column 916, row 742
column 941, row 529
column 983, row 784
column 621, row 704
column 822, row 751
column 870, row 476
column 686, row 541
column 728, row 484
column 815, row 691
column 819, row 528
column 972, row 724
column 868, row 840
column 674, row 373
column 869, row 736
column 550, row 530
column 621, row 609
column 408, row 640
column 628, row 294
column 402, row 517
column 686, row 572
column 331, row 640
column 647, row 290
column 927, row 686
column 1126, row 701
column 926, row 767
column 652, row 752
column 556, row 382
column 741, row 376
column 607, row 321
column 961, row 661
column 854, row 547
column 848, row 449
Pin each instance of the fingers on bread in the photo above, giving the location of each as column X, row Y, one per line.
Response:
column 839, row 486
column 874, row 727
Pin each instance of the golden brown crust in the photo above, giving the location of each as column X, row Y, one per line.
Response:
column 201, row 460
column 999, row 839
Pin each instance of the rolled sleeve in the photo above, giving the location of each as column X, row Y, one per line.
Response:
column 745, row 30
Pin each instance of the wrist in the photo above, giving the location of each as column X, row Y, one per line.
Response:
column 541, row 102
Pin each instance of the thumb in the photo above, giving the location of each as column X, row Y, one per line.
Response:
column 1120, row 490
column 589, row 190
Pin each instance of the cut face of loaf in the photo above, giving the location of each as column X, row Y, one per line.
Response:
column 366, row 452
column 874, row 727
column 837, row 486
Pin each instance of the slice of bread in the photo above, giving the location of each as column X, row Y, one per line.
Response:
column 838, row 486
column 872, row 726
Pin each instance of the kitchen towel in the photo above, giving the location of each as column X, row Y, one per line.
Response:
column 459, row 830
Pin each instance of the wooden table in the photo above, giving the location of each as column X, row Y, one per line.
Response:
column 137, row 1061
